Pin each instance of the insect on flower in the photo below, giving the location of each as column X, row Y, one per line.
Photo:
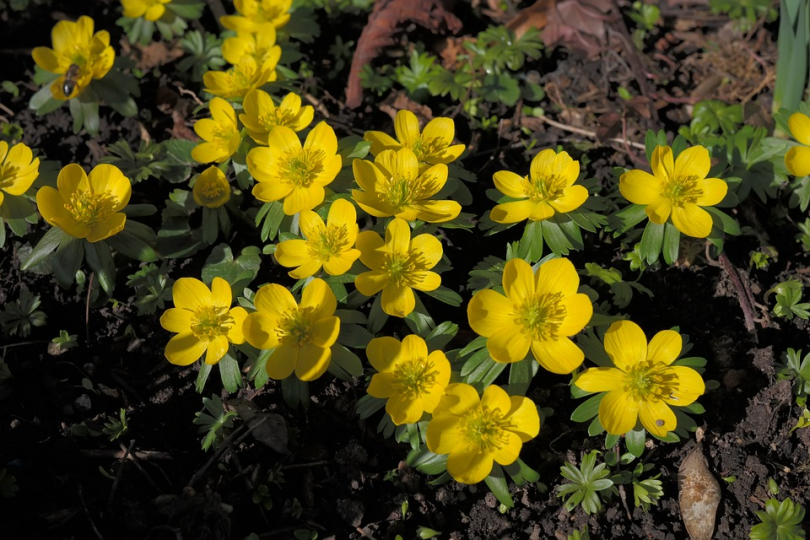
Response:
column 71, row 78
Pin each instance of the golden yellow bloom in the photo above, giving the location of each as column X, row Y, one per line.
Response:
column 548, row 189
column 261, row 114
column 211, row 189
column 245, row 76
column 87, row 207
column 677, row 188
column 797, row 159
column 433, row 145
column 477, row 432
column 18, row 170
column 220, row 133
column 393, row 186
column 286, row 170
column 204, row 321
column 412, row 380
column 539, row 312
column 330, row 246
column 252, row 14
column 398, row 265
column 78, row 54
column 151, row 10
column 261, row 46
column 643, row 384
column 301, row 335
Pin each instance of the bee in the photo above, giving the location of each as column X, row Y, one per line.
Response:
column 71, row 75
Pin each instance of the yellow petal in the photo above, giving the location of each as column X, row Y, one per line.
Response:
column 71, row 178
column 557, row 275
column 382, row 353
column 382, row 386
column 397, row 301
column 437, row 211
column 311, row 224
column 397, row 237
column 217, row 348
column 468, row 465
column 495, row 397
column 319, row 297
column 184, row 349
column 518, row 280
column 799, row 125
column 600, row 379
column 558, row 356
column 192, row 294
column 458, row 400
column 579, row 310
column 541, row 211
column 692, row 220
column 714, row 191
column 657, row 417
column 292, row 253
column 640, row 187
column 509, row 450
column 303, row 198
column 109, row 179
column 512, row 212
column 312, row 362
column 572, row 198
column 618, row 412
column 662, row 163
column 46, row 59
column 154, row 12
column 626, row 344
column 261, row 330
column 282, row 361
column 399, row 163
column 446, row 155
column 524, row 418
column 689, row 386
column 282, row 140
column 109, row 226
column 325, row 332
column 342, row 213
column 439, row 130
column 693, row 161
column 221, row 295
column 429, row 248
column 222, row 112
column 340, row 264
column 508, row 344
column 433, row 180
column 52, row 207
column 322, row 138
column 445, row 433
column 543, row 164
column 370, row 283
column 236, row 334
column 426, row 281
column 659, row 210
column 488, row 312
column 380, row 141
column 413, row 348
column 274, row 299
column 371, row 204
column 367, row 174
column 404, row 409
column 406, row 126
column 664, row 347
column 271, row 190
column 176, row 320
column 307, row 269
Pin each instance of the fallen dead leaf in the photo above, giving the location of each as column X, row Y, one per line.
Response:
column 699, row 495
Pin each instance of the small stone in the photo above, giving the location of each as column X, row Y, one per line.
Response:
column 82, row 403
column 699, row 495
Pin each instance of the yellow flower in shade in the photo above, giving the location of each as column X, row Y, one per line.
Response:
column 251, row 15
column 393, row 186
column 412, row 380
column 433, row 145
column 261, row 46
column 398, row 265
column 301, row 335
column 151, row 10
column 262, row 115
column 643, row 384
column 204, row 321
column 548, row 189
column 78, row 54
column 220, row 133
column 677, row 188
column 18, row 170
column 286, row 170
column 797, row 159
column 329, row 245
column 211, row 189
column 477, row 432
column 245, row 76
column 539, row 312
column 87, row 207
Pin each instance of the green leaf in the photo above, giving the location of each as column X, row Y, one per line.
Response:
column 66, row 261
column 131, row 243
column 441, row 335
column 99, row 259
column 230, row 373
column 426, row 461
column 651, row 242
column 345, row 365
column 635, row 440
column 445, row 295
column 521, row 375
column 419, row 320
column 496, row 481
column 239, row 272
column 500, row 88
column 531, row 243
column 353, row 335
column 671, row 243
column 202, row 376
column 295, row 392
column 588, row 408
column 376, row 317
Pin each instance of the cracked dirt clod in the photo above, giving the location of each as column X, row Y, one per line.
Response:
column 699, row 495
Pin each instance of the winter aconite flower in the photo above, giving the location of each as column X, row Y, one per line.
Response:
column 412, row 379
column 301, row 335
column 477, row 432
column 539, row 312
column 797, row 159
column 394, row 186
column 286, row 170
column 204, row 321
column 260, row 46
column 212, row 189
column 151, row 10
column 78, row 54
column 547, row 190
column 433, row 145
column 262, row 115
column 398, row 265
column 252, row 14
column 329, row 246
column 677, row 188
column 18, row 170
column 245, row 76
column 220, row 133
column 643, row 384
column 87, row 206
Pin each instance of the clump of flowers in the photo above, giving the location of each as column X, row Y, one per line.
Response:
column 644, row 384
column 251, row 15
column 220, row 133
column 797, row 159
column 151, row 10
column 477, row 432
column 18, row 170
column 547, row 190
column 204, row 321
column 78, row 57
column 261, row 46
column 433, row 145
column 211, row 189
column 240, row 79
column 398, row 265
column 678, row 188
column 301, row 335
column 540, row 311
column 262, row 115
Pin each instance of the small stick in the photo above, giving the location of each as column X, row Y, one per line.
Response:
column 304, row 465
column 87, row 513
column 224, row 446
column 585, row 132
column 137, row 463
column 118, row 476
column 87, row 309
column 743, row 295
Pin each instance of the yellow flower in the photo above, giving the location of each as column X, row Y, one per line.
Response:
column 151, row 10
column 18, row 170
column 245, row 76
column 204, row 321
column 261, row 46
column 220, row 133
column 547, row 190
column 261, row 114
column 643, row 384
column 539, row 312
column 252, row 14
column 433, row 145
column 87, row 207
column 398, row 265
column 797, row 159
column 330, row 246
column 212, row 189
column 77, row 54
column 301, row 335
column 475, row 432
column 677, row 188
column 286, row 170
column 393, row 186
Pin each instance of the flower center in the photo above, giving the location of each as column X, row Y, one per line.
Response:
column 276, row 117
column 398, row 192
column 8, row 174
column 401, row 268
column 682, row 190
column 89, row 207
column 485, row 428
column 415, row 378
column 545, row 188
column 296, row 326
column 541, row 316
column 649, row 381
column 423, row 147
column 301, row 168
column 212, row 190
column 330, row 242
column 210, row 321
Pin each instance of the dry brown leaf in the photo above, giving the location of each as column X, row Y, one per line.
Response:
column 580, row 24
column 699, row 495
